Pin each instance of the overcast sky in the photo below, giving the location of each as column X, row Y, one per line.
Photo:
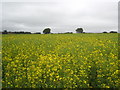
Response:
column 60, row 15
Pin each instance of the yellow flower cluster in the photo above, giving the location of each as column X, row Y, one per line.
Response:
column 60, row 61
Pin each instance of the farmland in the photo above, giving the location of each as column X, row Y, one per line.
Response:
column 60, row 61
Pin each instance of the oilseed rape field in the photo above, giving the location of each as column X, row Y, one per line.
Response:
column 60, row 61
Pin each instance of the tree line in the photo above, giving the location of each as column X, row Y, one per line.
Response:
column 48, row 31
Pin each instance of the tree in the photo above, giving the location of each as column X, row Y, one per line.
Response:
column 104, row 32
column 37, row 33
column 79, row 30
column 46, row 31
column 5, row 32
column 113, row 31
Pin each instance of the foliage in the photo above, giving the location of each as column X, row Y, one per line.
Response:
column 60, row 61
column 113, row 31
column 79, row 30
column 104, row 32
column 4, row 32
column 46, row 31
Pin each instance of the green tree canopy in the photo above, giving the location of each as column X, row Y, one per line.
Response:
column 46, row 30
column 79, row 30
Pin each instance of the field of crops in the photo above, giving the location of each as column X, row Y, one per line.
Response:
column 60, row 61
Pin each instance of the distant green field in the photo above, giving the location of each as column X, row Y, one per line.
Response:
column 60, row 60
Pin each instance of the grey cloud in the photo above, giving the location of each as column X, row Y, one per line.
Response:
column 60, row 16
